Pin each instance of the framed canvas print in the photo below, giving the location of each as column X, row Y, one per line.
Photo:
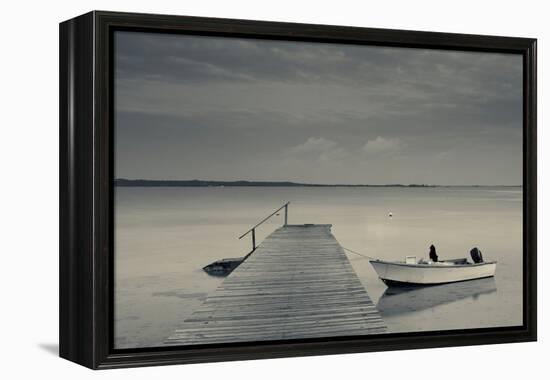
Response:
column 237, row 189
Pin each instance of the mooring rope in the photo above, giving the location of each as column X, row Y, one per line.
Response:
column 360, row 254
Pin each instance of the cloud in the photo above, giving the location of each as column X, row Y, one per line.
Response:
column 319, row 150
column 381, row 145
column 314, row 145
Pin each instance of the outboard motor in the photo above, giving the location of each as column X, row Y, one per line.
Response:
column 477, row 257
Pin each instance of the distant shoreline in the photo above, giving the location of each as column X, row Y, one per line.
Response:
column 123, row 182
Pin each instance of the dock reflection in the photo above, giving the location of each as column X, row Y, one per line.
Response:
column 398, row 301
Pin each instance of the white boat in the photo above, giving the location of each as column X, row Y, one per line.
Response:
column 412, row 272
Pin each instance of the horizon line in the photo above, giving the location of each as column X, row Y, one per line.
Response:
column 282, row 183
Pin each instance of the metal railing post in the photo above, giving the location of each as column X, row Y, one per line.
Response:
column 252, row 231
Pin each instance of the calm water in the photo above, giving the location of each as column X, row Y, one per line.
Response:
column 164, row 236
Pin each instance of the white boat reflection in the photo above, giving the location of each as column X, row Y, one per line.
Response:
column 402, row 300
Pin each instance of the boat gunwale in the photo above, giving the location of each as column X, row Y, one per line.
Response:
column 432, row 266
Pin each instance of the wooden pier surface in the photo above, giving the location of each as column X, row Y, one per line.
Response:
column 297, row 284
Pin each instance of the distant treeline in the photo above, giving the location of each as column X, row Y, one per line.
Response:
column 200, row 183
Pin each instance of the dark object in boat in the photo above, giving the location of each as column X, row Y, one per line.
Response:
column 433, row 254
column 477, row 257
column 223, row 267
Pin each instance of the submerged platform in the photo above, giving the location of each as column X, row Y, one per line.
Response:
column 297, row 284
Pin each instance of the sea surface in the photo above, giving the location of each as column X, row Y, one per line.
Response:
column 164, row 236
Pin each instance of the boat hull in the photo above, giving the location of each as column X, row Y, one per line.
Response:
column 401, row 274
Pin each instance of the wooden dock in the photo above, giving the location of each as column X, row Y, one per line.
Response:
column 298, row 283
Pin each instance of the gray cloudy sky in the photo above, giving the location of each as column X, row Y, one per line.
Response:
column 225, row 109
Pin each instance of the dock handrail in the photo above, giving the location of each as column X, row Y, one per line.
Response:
column 253, row 229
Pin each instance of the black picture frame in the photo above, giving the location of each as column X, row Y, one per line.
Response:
column 86, row 189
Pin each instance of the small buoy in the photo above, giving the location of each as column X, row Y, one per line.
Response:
column 390, row 214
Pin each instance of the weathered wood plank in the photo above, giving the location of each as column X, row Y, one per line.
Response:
column 297, row 284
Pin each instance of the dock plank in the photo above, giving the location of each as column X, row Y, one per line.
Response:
column 297, row 284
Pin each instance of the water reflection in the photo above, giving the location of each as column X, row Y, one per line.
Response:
column 399, row 301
